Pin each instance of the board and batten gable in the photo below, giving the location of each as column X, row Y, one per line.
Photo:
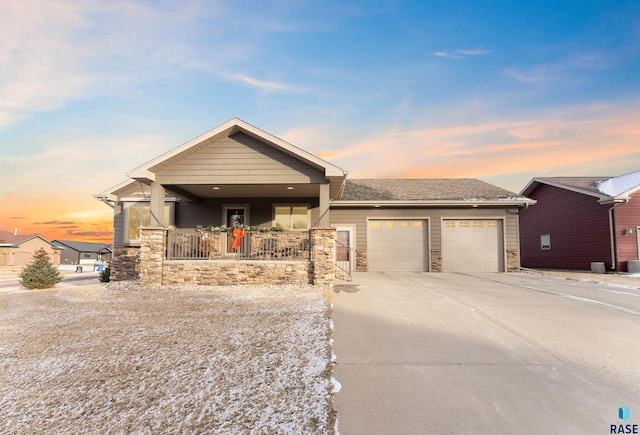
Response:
column 578, row 227
column 237, row 159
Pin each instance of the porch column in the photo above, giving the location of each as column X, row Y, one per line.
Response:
column 323, row 222
column 157, row 205
column 153, row 243
column 323, row 256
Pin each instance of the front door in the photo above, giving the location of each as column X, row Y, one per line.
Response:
column 233, row 216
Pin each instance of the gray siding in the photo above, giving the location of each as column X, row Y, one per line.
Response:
column 209, row 212
column 359, row 217
column 238, row 159
column 118, row 225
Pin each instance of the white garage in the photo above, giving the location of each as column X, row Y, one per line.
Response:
column 472, row 245
column 398, row 245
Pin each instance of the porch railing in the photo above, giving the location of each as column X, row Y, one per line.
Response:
column 254, row 245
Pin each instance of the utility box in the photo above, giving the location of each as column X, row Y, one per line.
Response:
column 598, row 267
column 633, row 266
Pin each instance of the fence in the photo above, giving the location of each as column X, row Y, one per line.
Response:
column 254, row 245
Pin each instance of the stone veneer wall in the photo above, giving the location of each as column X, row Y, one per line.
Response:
column 323, row 254
column 153, row 246
column 513, row 260
column 155, row 270
column 361, row 260
column 125, row 264
column 436, row 260
column 232, row 272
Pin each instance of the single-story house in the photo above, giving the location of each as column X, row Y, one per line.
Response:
column 304, row 217
column 83, row 252
column 581, row 220
column 18, row 250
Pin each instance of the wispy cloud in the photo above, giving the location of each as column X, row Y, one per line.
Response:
column 266, row 86
column 54, row 53
column 569, row 141
column 571, row 69
column 461, row 53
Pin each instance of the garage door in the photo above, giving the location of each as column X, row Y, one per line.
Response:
column 397, row 245
column 472, row 246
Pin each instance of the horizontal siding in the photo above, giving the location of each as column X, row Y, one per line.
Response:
column 577, row 224
column 238, row 159
column 118, row 225
column 627, row 216
column 209, row 212
column 359, row 217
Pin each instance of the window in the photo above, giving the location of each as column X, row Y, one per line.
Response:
column 545, row 242
column 86, row 254
column 139, row 216
column 292, row 217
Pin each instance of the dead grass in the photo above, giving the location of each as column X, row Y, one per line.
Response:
column 202, row 359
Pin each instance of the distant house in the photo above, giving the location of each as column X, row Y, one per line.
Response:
column 580, row 220
column 81, row 252
column 18, row 250
column 238, row 176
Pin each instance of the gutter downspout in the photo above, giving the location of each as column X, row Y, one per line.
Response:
column 612, row 234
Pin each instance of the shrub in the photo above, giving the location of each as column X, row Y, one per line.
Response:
column 105, row 275
column 40, row 273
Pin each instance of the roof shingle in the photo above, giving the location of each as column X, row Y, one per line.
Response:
column 434, row 189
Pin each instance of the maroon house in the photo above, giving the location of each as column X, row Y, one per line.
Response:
column 581, row 220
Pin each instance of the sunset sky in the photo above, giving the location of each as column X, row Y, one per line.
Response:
column 496, row 90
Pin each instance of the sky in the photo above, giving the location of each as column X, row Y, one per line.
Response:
column 503, row 91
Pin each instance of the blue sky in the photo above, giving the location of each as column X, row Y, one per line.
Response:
column 497, row 90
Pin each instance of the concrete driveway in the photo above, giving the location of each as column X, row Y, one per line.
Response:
column 486, row 354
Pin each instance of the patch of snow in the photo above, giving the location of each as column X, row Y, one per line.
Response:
column 127, row 358
column 618, row 185
column 337, row 386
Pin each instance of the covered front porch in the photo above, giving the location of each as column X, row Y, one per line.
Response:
column 170, row 257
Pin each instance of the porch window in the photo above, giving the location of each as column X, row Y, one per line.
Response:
column 292, row 217
column 139, row 216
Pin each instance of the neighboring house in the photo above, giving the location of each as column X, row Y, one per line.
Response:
column 18, row 250
column 83, row 252
column 580, row 220
column 239, row 174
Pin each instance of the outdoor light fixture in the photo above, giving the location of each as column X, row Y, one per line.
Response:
column 628, row 230
column 290, row 188
column 216, row 188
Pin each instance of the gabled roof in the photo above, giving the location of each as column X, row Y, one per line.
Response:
column 235, row 125
column 11, row 240
column 83, row 246
column 450, row 191
column 606, row 189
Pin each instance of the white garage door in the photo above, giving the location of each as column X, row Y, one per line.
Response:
column 397, row 245
column 472, row 246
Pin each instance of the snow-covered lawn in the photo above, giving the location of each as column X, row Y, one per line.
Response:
column 126, row 359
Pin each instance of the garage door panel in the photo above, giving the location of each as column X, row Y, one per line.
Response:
column 397, row 245
column 472, row 246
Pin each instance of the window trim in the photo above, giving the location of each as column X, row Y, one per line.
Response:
column 545, row 238
column 291, row 205
column 127, row 241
